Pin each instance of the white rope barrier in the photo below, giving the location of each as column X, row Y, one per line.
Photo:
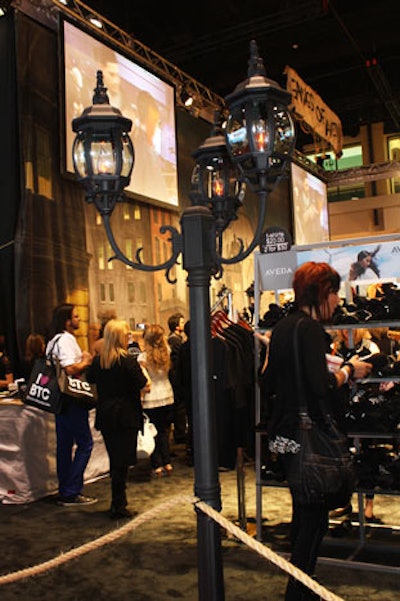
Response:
column 6, row 244
column 134, row 523
column 95, row 544
column 270, row 555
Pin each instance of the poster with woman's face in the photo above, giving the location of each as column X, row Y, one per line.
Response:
column 362, row 263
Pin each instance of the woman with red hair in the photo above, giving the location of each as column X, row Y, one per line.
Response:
column 316, row 287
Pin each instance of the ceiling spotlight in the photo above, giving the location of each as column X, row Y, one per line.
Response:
column 187, row 99
column 4, row 6
column 95, row 21
column 194, row 105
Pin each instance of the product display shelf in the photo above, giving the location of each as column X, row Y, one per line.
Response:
column 391, row 324
column 359, row 521
column 361, row 491
column 265, row 280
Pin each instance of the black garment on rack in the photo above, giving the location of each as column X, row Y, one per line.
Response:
column 233, row 369
column 223, row 380
column 183, row 378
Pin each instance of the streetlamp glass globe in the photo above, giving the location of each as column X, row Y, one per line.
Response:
column 78, row 156
column 127, row 155
column 215, row 181
column 103, row 157
column 260, row 133
column 103, row 154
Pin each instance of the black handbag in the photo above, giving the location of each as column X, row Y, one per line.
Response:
column 42, row 390
column 323, row 468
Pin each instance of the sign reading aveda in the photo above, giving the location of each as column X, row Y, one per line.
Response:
column 310, row 107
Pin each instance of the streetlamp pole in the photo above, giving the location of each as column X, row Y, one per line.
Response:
column 253, row 149
column 198, row 232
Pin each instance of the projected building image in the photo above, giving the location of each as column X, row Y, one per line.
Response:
column 310, row 207
column 141, row 96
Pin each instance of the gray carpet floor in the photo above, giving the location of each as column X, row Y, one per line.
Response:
column 154, row 559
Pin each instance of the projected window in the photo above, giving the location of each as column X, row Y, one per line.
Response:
column 141, row 96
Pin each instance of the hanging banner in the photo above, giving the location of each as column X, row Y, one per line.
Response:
column 310, row 107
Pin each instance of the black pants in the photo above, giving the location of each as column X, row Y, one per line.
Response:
column 161, row 417
column 179, row 418
column 121, row 449
column 309, row 526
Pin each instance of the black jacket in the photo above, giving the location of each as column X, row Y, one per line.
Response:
column 280, row 387
column 118, row 405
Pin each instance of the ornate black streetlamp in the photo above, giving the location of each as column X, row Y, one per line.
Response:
column 103, row 153
column 259, row 112
column 260, row 131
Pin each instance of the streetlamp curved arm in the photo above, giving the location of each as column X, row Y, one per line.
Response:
column 244, row 253
column 176, row 243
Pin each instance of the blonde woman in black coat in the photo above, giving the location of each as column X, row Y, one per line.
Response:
column 119, row 380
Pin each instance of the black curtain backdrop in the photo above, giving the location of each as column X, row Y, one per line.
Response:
column 51, row 261
column 9, row 180
column 190, row 133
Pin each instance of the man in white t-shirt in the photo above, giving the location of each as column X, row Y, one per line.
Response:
column 74, row 437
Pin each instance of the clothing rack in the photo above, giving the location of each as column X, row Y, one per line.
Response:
column 225, row 293
column 220, row 316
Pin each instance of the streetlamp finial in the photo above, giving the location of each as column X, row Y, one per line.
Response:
column 100, row 95
column 256, row 63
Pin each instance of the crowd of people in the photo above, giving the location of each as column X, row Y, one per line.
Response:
column 150, row 374
column 134, row 372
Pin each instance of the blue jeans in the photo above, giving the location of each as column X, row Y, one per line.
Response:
column 72, row 428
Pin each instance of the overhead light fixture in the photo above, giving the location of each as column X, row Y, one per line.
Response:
column 195, row 104
column 191, row 100
column 187, row 98
column 95, row 21
column 4, row 6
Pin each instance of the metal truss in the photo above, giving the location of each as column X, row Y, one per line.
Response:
column 345, row 177
column 48, row 11
column 364, row 173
